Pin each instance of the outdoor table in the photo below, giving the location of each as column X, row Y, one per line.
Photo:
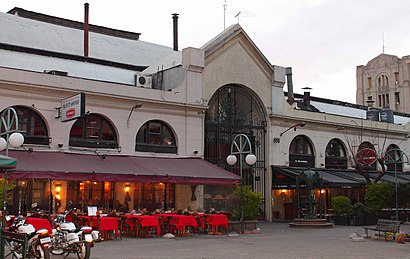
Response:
column 180, row 222
column 145, row 221
column 39, row 223
column 216, row 220
column 106, row 224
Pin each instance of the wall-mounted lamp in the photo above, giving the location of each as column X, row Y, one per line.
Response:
column 57, row 188
column 196, row 152
column 57, row 195
column 302, row 124
column 127, row 187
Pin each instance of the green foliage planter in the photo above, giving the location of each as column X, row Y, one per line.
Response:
column 377, row 197
column 251, row 203
column 341, row 205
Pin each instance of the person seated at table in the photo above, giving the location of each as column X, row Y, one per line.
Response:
column 144, row 211
column 157, row 211
column 117, row 205
column 125, row 208
column 185, row 212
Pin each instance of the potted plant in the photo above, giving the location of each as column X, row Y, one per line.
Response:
column 357, row 214
column 251, row 206
column 341, row 205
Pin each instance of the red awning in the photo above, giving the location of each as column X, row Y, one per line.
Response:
column 69, row 166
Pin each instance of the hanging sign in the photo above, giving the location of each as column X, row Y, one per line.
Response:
column 366, row 156
column 73, row 107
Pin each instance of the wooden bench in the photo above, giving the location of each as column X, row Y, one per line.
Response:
column 385, row 226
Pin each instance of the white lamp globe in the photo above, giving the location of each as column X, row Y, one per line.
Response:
column 231, row 159
column 3, row 144
column 16, row 139
column 250, row 159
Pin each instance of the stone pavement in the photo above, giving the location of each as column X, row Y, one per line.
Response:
column 276, row 240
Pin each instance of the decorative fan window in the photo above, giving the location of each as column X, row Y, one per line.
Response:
column 335, row 155
column 32, row 126
column 155, row 136
column 301, row 152
column 93, row 131
column 394, row 158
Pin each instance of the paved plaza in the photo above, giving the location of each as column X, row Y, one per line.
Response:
column 276, row 240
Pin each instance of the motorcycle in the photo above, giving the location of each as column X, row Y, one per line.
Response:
column 67, row 238
column 38, row 241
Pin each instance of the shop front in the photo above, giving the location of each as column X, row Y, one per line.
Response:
column 57, row 180
column 289, row 199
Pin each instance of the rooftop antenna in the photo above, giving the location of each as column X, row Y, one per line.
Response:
column 238, row 16
column 224, row 5
column 383, row 41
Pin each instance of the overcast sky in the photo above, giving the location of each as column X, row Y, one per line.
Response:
column 322, row 40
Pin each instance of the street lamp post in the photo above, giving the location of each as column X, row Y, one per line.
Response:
column 241, row 145
column 8, row 122
column 396, row 155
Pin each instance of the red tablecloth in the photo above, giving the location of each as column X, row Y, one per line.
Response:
column 216, row 220
column 182, row 221
column 107, row 224
column 144, row 221
column 39, row 223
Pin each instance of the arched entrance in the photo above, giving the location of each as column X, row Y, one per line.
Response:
column 235, row 109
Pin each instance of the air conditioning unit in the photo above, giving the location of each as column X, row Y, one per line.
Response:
column 143, row 81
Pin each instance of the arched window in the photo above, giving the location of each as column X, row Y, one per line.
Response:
column 394, row 158
column 301, row 152
column 383, row 81
column 155, row 136
column 32, row 126
column 335, row 156
column 93, row 131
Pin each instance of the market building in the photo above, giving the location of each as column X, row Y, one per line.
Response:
column 159, row 122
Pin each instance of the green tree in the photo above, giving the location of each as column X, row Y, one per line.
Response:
column 9, row 186
column 251, row 203
column 377, row 196
column 341, row 204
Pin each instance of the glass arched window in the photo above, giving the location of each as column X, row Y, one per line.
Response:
column 301, row 152
column 155, row 136
column 335, row 156
column 93, row 131
column 394, row 158
column 32, row 126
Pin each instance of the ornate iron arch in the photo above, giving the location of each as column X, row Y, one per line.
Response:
column 235, row 109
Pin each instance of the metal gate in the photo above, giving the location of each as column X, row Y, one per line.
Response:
column 235, row 109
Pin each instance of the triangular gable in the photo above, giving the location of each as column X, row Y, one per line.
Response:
column 228, row 35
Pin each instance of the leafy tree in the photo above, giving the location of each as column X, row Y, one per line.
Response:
column 341, row 204
column 377, row 196
column 251, row 203
column 9, row 186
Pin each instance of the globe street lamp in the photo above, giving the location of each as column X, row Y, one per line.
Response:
column 241, row 145
column 8, row 123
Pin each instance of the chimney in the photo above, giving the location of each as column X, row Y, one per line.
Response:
column 291, row 98
column 175, row 18
column 86, row 7
column 306, row 96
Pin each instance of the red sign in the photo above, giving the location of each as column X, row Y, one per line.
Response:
column 366, row 156
column 70, row 113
